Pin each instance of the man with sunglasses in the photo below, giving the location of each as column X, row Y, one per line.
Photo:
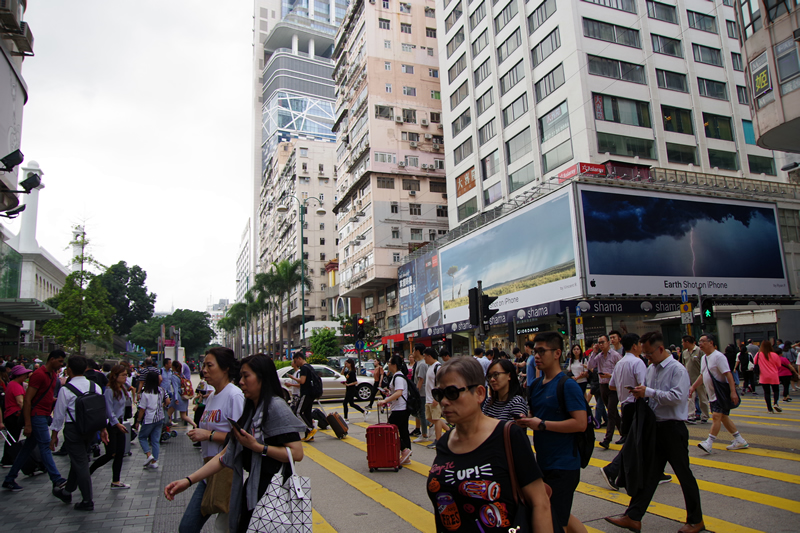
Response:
column 604, row 361
column 553, row 429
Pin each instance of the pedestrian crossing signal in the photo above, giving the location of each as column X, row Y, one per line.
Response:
column 707, row 308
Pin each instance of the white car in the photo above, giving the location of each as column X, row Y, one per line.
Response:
column 332, row 383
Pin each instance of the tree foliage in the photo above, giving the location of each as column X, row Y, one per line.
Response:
column 371, row 332
column 195, row 328
column 128, row 295
column 324, row 345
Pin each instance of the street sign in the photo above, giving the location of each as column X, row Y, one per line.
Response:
column 684, row 296
column 687, row 318
column 359, row 345
column 578, row 320
column 577, row 311
column 579, row 329
column 579, row 337
column 686, row 308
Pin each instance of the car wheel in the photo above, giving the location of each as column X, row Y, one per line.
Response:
column 364, row 392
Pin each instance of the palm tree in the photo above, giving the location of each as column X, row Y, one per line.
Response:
column 236, row 314
column 287, row 276
column 452, row 273
column 264, row 285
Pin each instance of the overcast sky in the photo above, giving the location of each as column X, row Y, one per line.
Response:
column 139, row 115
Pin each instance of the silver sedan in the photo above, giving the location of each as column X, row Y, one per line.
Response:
column 332, row 383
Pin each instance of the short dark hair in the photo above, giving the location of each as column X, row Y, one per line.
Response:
column 107, row 366
column 530, row 344
column 419, row 347
column 614, row 332
column 299, row 355
column 478, row 351
column 554, row 340
column 56, row 354
column 167, row 360
column 516, row 350
column 653, row 338
column 628, row 340
column 689, row 339
column 601, row 336
column 444, row 352
column 431, row 352
column 148, row 361
column 711, row 338
column 77, row 364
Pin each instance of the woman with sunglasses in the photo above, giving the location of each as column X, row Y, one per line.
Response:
column 398, row 395
column 482, row 502
column 506, row 400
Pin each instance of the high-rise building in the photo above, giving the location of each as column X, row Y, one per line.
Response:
column 544, row 90
column 390, row 148
column 217, row 312
column 770, row 32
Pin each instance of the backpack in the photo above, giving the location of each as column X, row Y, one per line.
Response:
column 316, row 383
column 413, row 399
column 187, row 391
column 90, row 409
column 584, row 440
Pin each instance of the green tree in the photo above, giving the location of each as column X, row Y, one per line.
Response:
column 324, row 345
column 195, row 327
column 128, row 294
column 264, row 285
column 286, row 277
column 371, row 332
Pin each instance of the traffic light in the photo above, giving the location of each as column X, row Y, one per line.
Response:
column 354, row 325
column 561, row 323
column 360, row 328
column 474, row 303
column 486, row 301
column 707, row 308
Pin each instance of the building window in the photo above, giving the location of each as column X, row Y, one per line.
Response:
column 321, row 226
column 712, row 89
column 486, row 132
column 395, row 208
column 517, row 108
column 709, row 56
column 521, row 177
column 305, row 240
column 405, row 28
column 433, row 72
column 388, row 87
column 548, row 45
column 761, row 165
column 441, row 211
column 736, row 61
column 430, row 12
column 409, row 91
column 492, row 194
column 416, row 234
column 405, row 8
column 430, row 51
column 673, row 81
column 410, row 184
column 409, row 116
column 462, row 151
column 387, row 65
column 788, row 62
column 677, row 120
column 620, row 70
column 749, row 132
column 659, row 11
column 468, row 208
column 625, row 146
column 622, row 5
column 395, row 233
column 477, row 16
column 490, row 165
column 505, row 16
column 457, row 68
column 552, row 81
column 594, row 29
column 622, row 110
column 392, row 319
column 741, row 92
column 412, row 161
column 454, row 15
column 386, row 183
column 462, row 122
column 387, row 44
column 482, row 72
column 518, row 146
column 385, row 112
column 702, row 22
column 733, row 30
column 557, row 156
column 512, row 77
column 431, row 235
column 723, row 160
column 409, row 136
column 484, row 102
column 322, row 257
column 321, row 168
column 540, row 14
column 458, row 96
column 385, row 4
column 405, row 47
column 439, row 164
column 554, row 122
column 681, row 154
column 304, row 152
column 385, row 157
column 718, row 127
column 322, row 241
column 436, row 95
column 455, row 42
column 384, row 24
column 438, row 186
column 510, row 44
column 480, row 43
column 752, row 16
column 415, row 209
column 407, row 69
column 666, row 46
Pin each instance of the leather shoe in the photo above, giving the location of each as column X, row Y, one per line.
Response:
column 692, row 528
column 625, row 522
column 605, row 444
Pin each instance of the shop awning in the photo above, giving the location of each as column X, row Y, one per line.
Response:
column 27, row 309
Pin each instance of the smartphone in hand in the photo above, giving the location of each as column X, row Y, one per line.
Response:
column 235, row 425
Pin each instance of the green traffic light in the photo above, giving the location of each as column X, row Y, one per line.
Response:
column 708, row 313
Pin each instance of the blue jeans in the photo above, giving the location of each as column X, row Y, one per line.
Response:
column 150, row 437
column 600, row 412
column 40, row 436
column 193, row 520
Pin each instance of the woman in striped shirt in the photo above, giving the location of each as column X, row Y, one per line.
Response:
column 506, row 398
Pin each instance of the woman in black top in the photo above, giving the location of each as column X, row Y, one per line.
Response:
column 269, row 429
column 744, row 365
column 469, row 482
column 350, row 387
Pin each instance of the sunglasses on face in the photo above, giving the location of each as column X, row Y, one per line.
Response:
column 451, row 392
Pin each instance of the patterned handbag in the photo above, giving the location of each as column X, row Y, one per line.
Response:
column 285, row 507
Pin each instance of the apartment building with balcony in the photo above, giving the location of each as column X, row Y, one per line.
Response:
column 390, row 155
column 543, row 90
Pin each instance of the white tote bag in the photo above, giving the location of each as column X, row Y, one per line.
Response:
column 285, row 507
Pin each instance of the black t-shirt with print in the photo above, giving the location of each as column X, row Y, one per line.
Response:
column 472, row 492
column 305, row 388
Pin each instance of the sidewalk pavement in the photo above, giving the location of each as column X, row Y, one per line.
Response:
column 140, row 509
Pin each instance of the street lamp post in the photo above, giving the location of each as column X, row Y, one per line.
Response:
column 320, row 211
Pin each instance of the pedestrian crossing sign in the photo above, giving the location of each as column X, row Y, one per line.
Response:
column 686, row 308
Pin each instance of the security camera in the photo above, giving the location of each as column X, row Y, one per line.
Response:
column 12, row 160
column 32, row 181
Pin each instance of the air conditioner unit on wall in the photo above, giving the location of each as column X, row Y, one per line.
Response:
column 412, row 193
column 413, row 144
column 441, row 127
column 398, row 119
column 10, row 13
column 424, row 122
column 436, row 146
column 428, row 136
column 23, row 39
column 401, row 164
column 424, row 166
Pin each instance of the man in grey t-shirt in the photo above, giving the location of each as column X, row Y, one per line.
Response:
column 420, row 371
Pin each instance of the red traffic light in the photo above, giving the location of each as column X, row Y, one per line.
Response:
column 360, row 321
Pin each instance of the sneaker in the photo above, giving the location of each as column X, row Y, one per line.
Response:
column 777, row 408
column 347, row 421
column 691, row 421
column 431, row 446
column 421, row 438
column 310, row 436
column 787, row 399
column 704, row 420
column 415, row 433
column 150, row 460
column 154, row 465
column 705, row 446
column 119, row 486
column 665, row 478
column 12, row 486
column 62, row 495
column 738, row 444
column 405, row 457
column 84, row 506
column 366, row 416
column 611, row 484
column 605, row 444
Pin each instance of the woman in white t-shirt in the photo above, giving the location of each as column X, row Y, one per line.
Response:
column 221, row 370
column 396, row 399
column 151, row 415
column 577, row 366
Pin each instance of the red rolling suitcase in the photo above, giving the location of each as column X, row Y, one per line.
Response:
column 383, row 446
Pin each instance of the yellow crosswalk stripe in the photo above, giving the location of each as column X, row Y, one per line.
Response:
column 320, row 524
column 361, row 445
column 749, row 470
column 662, row 510
column 409, row 511
column 733, row 492
column 734, row 414
column 658, row 509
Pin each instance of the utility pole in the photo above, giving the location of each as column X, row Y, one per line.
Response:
column 481, row 332
column 700, row 306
